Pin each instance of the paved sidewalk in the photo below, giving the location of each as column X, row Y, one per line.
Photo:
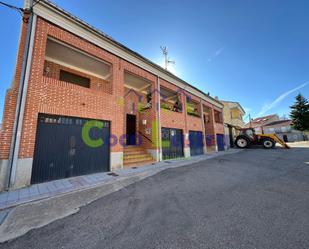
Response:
column 50, row 189
column 300, row 144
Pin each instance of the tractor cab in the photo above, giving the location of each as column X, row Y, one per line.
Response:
column 250, row 132
column 247, row 137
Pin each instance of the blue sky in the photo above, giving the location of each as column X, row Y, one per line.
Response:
column 253, row 52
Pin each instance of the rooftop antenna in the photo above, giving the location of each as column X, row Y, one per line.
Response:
column 167, row 60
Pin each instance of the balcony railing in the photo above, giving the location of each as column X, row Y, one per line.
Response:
column 193, row 110
column 175, row 107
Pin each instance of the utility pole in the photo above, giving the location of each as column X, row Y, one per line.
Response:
column 166, row 58
column 250, row 120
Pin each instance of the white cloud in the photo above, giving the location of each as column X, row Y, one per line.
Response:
column 216, row 54
column 219, row 51
column 268, row 107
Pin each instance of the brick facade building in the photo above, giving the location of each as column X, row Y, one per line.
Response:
column 75, row 74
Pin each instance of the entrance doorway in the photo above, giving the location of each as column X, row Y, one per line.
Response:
column 285, row 138
column 131, row 129
column 231, row 136
column 172, row 143
column 220, row 142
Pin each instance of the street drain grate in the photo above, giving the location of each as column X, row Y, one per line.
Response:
column 112, row 174
column 133, row 167
column 167, row 161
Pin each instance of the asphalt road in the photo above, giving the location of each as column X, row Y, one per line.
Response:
column 252, row 199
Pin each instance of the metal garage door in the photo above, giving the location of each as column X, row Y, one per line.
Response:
column 172, row 143
column 62, row 151
column 220, row 142
column 196, row 143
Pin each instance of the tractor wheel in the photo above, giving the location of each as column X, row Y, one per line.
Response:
column 242, row 142
column 268, row 143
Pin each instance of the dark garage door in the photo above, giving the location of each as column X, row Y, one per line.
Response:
column 61, row 151
column 196, row 143
column 220, row 142
column 172, row 143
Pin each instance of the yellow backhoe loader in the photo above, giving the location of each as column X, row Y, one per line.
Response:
column 247, row 137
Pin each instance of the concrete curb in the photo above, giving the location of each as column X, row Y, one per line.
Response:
column 36, row 214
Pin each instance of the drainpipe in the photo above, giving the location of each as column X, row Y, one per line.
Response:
column 186, row 135
column 203, row 127
column 21, row 98
column 159, row 119
column 214, row 125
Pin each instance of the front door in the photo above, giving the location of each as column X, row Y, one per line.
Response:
column 285, row 138
column 231, row 136
column 220, row 142
column 172, row 143
column 131, row 129
column 196, row 143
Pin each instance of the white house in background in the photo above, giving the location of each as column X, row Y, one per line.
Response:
column 283, row 129
column 259, row 123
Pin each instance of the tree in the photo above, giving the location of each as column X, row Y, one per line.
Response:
column 300, row 113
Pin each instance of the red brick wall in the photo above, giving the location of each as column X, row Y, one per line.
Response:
column 132, row 99
column 170, row 119
column 52, row 96
column 219, row 126
column 148, row 141
column 193, row 122
column 131, row 103
column 48, row 95
column 149, row 115
column 181, row 120
column 10, row 100
column 149, row 135
column 96, row 83
column 8, row 122
column 210, row 132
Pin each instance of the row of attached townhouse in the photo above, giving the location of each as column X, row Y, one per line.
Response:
column 82, row 103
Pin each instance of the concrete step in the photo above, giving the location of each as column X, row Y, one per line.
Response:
column 132, row 156
column 137, row 163
column 134, row 152
column 133, row 148
column 138, row 159
column 136, row 155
